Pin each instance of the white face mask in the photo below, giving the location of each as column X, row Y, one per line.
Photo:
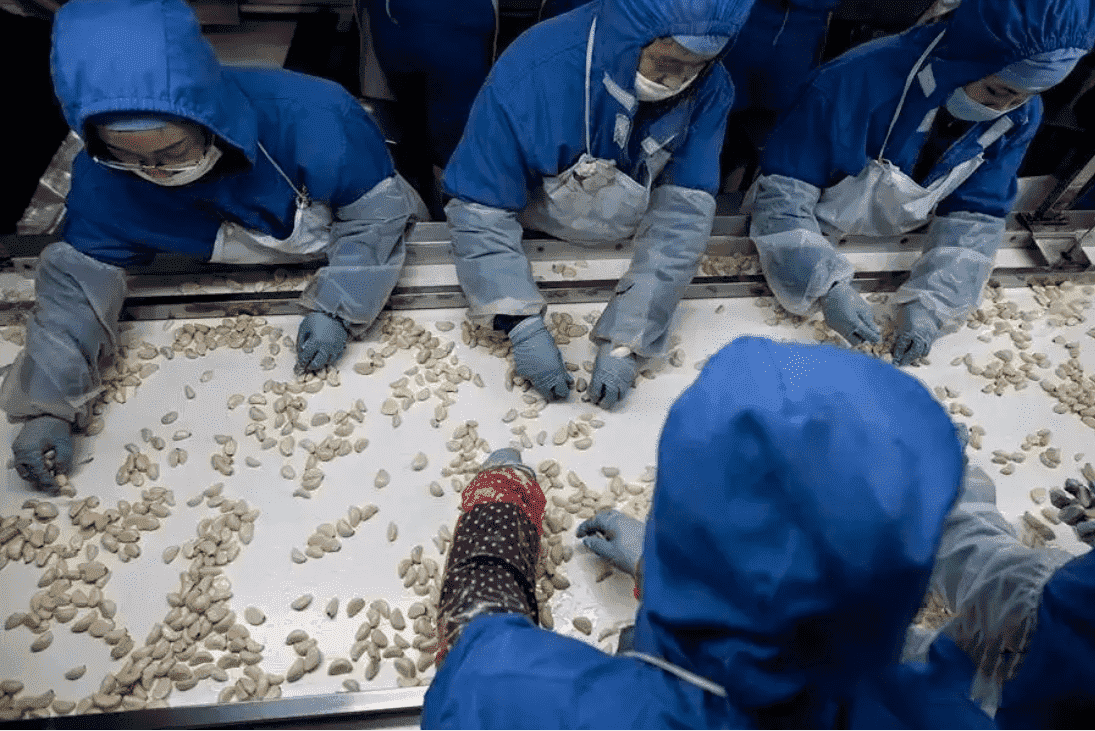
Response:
column 652, row 91
column 962, row 106
column 204, row 166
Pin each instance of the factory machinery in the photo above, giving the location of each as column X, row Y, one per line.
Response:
column 309, row 518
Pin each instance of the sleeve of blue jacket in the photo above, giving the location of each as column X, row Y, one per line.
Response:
column 799, row 263
column 366, row 254
column 506, row 673
column 71, row 335
column 993, row 583
column 372, row 206
column 966, row 231
column 1052, row 688
column 670, row 240
column 489, row 183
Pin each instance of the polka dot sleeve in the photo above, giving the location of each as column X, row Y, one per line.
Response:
column 491, row 566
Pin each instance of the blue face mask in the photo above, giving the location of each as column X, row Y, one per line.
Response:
column 962, row 106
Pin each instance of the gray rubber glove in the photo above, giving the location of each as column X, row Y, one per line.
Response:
column 537, row 358
column 916, row 331
column 320, row 341
column 849, row 314
column 38, row 436
column 612, row 377
column 615, row 537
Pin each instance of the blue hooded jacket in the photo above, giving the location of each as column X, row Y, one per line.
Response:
column 150, row 56
column 800, row 497
column 777, row 49
column 842, row 115
column 528, row 121
column 1052, row 688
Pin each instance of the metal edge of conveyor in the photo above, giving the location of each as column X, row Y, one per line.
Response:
column 1068, row 242
column 364, row 709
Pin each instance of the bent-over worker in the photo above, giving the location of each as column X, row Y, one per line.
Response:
column 800, row 497
column 185, row 156
column 600, row 125
column 926, row 127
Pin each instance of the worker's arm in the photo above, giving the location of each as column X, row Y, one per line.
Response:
column 968, row 228
column 669, row 243
column 992, row 582
column 71, row 336
column 488, row 179
column 799, row 161
column 950, row 274
column 365, row 256
column 491, row 263
column 799, row 264
column 491, row 568
column 673, row 234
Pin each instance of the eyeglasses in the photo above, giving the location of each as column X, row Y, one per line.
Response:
column 134, row 167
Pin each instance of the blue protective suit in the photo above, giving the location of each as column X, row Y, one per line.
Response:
column 801, row 493
column 527, row 124
column 776, row 50
column 149, row 55
column 449, row 46
column 1024, row 616
column 840, row 121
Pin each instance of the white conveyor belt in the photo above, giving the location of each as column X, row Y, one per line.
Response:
column 264, row 576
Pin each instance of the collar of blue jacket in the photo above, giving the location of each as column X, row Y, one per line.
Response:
column 146, row 56
column 800, row 497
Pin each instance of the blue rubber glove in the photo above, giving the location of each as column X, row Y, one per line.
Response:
column 916, row 331
column 849, row 314
column 615, row 537
column 537, row 358
column 612, row 377
column 38, row 436
column 320, row 341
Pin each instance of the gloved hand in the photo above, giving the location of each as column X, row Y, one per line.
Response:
column 615, row 537
column 38, row 436
column 537, row 358
column 916, row 331
column 849, row 314
column 612, row 377
column 320, row 341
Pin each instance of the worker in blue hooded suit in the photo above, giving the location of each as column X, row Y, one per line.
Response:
column 601, row 125
column 435, row 57
column 926, row 127
column 1022, row 615
column 184, row 156
column 800, row 497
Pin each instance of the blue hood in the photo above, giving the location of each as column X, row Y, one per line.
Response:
column 624, row 27
column 800, row 498
column 984, row 36
column 149, row 56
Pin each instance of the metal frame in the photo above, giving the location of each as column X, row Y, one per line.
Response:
column 1065, row 246
column 365, row 709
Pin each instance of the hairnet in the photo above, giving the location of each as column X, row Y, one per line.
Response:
column 123, row 122
column 1040, row 72
column 706, row 46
